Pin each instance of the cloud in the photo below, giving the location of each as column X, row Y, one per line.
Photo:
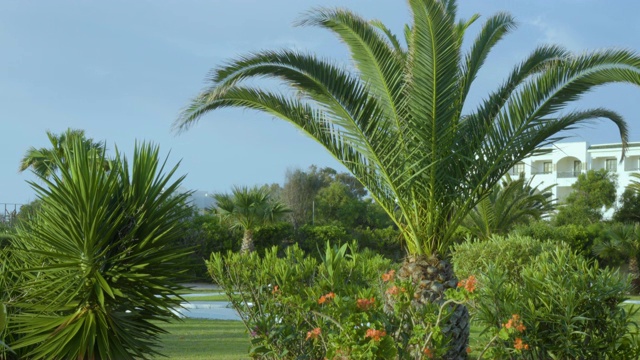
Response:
column 555, row 34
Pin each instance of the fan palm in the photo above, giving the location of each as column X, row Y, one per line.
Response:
column 247, row 209
column 98, row 265
column 43, row 160
column 397, row 122
column 623, row 242
column 510, row 202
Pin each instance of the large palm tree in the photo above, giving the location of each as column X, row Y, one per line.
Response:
column 397, row 122
column 247, row 209
column 43, row 160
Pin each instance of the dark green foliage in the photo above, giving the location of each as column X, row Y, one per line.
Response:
column 99, row 262
column 312, row 239
column 277, row 234
column 629, row 210
column 509, row 253
column 385, row 242
column 204, row 234
column 591, row 193
column 570, row 307
column 579, row 238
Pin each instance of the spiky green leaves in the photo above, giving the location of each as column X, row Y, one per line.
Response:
column 99, row 261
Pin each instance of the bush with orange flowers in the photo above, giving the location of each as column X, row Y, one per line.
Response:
column 562, row 306
column 348, row 305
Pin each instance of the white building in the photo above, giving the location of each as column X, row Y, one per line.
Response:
column 563, row 162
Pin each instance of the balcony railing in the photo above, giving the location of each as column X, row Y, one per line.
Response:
column 541, row 172
column 568, row 174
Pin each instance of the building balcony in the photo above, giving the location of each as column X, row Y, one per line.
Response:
column 541, row 172
column 568, row 174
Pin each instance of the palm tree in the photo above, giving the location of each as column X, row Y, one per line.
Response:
column 510, row 202
column 397, row 122
column 623, row 242
column 247, row 209
column 42, row 160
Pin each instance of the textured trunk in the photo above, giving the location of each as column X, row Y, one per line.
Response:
column 432, row 277
column 634, row 273
column 633, row 267
column 247, row 242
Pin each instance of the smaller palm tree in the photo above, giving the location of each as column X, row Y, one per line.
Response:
column 509, row 203
column 623, row 242
column 45, row 161
column 247, row 209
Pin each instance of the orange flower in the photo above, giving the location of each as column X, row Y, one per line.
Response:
column 326, row 297
column 428, row 353
column 468, row 350
column 313, row 334
column 275, row 289
column 365, row 304
column 394, row 290
column 520, row 345
column 515, row 323
column 469, row 283
column 375, row 334
column 388, row 276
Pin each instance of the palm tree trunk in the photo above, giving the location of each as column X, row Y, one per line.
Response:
column 433, row 276
column 247, row 242
column 634, row 273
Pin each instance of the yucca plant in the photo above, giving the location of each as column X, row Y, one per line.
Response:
column 397, row 122
column 99, row 259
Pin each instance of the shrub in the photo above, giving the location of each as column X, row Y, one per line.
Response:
column 579, row 238
column 510, row 254
column 339, row 307
column 312, row 239
column 568, row 308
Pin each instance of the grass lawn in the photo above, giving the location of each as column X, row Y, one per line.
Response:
column 220, row 297
column 194, row 339
column 225, row 340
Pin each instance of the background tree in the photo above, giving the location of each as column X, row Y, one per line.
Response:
column 45, row 161
column 629, row 210
column 591, row 193
column 299, row 191
column 98, row 266
column 397, row 121
column 512, row 202
column 247, row 209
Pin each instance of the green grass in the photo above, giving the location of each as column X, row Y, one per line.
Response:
column 221, row 297
column 194, row 339
column 224, row 340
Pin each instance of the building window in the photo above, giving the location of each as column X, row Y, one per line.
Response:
column 611, row 165
column 577, row 167
column 547, row 167
column 518, row 169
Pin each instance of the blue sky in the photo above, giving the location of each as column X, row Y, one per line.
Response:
column 122, row 70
